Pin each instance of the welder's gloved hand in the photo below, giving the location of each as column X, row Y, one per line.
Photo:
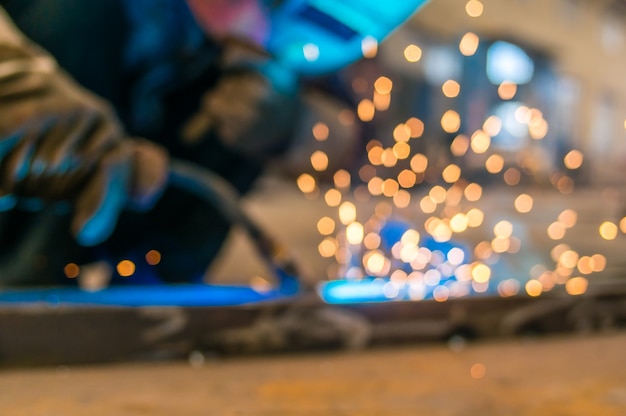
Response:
column 60, row 142
column 132, row 175
column 248, row 112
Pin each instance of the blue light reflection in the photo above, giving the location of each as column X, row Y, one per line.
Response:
column 194, row 295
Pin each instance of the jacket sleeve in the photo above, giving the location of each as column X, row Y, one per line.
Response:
column 18, row 55
column 9, row 34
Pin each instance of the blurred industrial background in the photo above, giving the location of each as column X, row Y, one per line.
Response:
column 520, row 102
column 577, row 48
column 497, row 127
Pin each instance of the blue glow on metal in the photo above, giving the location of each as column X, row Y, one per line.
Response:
column 369, row 290
column 195, row 295
column 393, row 230
column 383, row 289
column 353, row 291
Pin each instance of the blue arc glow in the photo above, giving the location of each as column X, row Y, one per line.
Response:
column 349, row 291
column 195, row 295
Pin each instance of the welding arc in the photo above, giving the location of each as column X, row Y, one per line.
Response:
column 224, row 197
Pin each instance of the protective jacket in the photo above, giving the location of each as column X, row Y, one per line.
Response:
column 151, row 61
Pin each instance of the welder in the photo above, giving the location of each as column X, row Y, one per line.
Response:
column 96, row 97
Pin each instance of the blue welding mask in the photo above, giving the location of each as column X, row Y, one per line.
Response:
column 309, row 37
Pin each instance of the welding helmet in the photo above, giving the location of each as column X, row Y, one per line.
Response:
column 310, row 37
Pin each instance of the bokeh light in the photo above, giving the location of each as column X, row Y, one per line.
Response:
column 556, row 231
column 492, row 126
column 507, row 90
column 71, row 270
column 469, row 44
column 125, row 268
column 319, row 160
column 354, row 233
column 419, row 163
column 412, row 53
column 451, row 173
column 326, row 226
column 402, row 133
column 473, row 192
column 328, row 247
column 512, row 176
column 503, row 229
column 524, row 203
column 153, row 257
column 460, row 145
column 576, row 286
column 347, row 213
column 451, row 88
column 450, row 170
column 320, row 131
column 369, row 47
column 474, row 8
column 306, row 183
column 342, row 179
column 481, row 273
column 333, row 197
column 407, row 178
column 366, row 110
column 383, row 85
column 608, row 230
column 494, row 164
column 568, row 218
column 480, row 142
column 573, row 160
column 451, row 121
column 533, row 288
column 599, row 262
column 475, row 217
column 401, row 150
column 416, row 126
column 438, row 194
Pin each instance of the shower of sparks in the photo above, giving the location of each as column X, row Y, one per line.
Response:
column 438, row 204
column 474, row 8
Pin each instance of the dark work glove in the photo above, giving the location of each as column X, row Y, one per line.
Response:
column 252, row 109
column 60, row 142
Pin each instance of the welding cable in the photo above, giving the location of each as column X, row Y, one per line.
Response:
column 220, row 194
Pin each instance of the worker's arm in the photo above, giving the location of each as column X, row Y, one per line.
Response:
column 258, row 107
column 252, row 108
column 58, row 141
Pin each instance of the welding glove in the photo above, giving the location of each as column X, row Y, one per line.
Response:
column 60, row 142
column 252, row 109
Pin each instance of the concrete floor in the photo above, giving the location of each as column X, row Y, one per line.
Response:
column 573, row 375
column 542, row 377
